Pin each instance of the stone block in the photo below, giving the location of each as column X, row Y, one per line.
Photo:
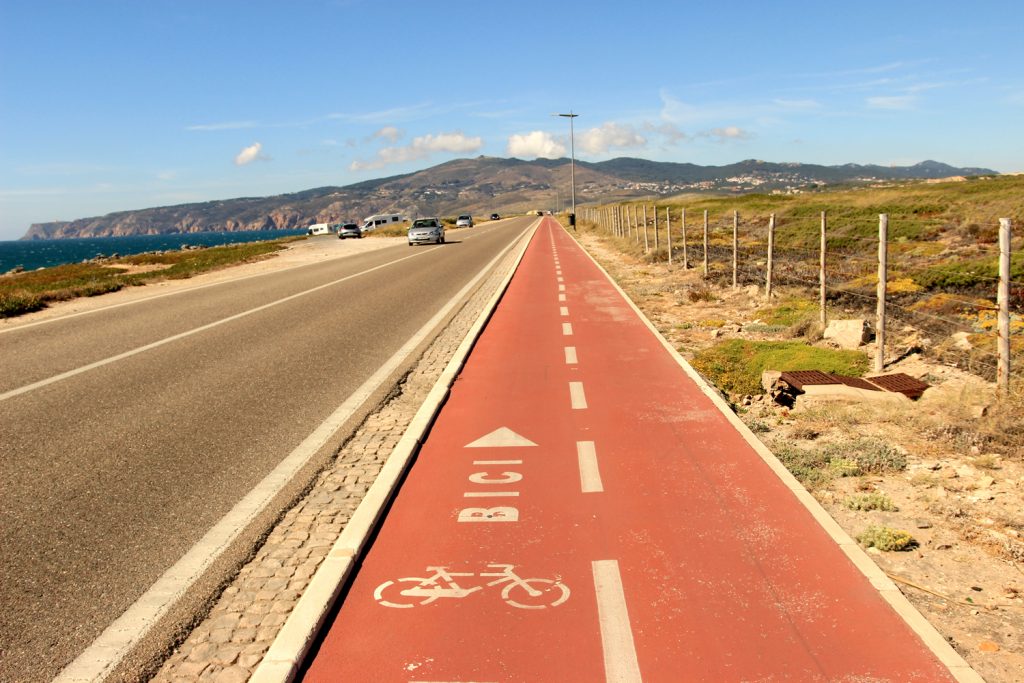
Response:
column 849, row 334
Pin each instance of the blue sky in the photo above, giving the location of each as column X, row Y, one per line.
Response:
column 108, row 106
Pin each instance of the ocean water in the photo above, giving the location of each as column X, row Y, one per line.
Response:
column 33, row 254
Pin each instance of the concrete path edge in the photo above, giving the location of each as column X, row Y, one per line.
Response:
column 282, row 661
column 932, row 639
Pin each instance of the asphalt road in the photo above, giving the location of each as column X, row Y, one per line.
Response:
column 111, row 474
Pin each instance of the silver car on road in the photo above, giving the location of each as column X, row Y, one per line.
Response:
column 426, row 231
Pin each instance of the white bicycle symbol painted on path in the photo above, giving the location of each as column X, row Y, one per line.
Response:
column 518, row 592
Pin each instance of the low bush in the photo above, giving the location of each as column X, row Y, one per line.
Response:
column 869, row 455
column 886, row 539
column 810, row 467
column 870, row 501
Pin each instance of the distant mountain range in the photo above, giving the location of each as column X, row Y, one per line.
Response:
column 485, row 185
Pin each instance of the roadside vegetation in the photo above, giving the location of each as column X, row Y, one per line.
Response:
column 736, row 365
column 29, row 291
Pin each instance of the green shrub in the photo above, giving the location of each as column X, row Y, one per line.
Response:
column 19, row 302
column 789, row 312
column 886, row 539
column 870, row 501
column 844, row 467
column 810, row 467
column 871, row 456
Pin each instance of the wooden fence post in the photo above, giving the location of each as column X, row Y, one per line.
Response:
column 821, row 268
column 1003, row 301
column 883, row 241
column 771, row 257
column 686, row 262
column 646, row 249
column 705, row 243
column 656, row 240
column 668, row 232
column 735, row 246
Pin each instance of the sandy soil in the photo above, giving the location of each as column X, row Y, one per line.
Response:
column 964, row 506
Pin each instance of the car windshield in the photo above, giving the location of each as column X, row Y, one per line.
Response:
column 463, row 218
column 350, row 226
column 424, row 224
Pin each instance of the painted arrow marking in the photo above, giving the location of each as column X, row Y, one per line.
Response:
column 503, row 437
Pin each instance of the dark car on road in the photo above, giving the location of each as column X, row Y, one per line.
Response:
column 349, row 230
column 495, row 217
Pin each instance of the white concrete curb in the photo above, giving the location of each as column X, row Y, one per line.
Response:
column 282, row 661
column 933, row 640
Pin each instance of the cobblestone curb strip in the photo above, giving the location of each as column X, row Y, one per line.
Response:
column 313, row 538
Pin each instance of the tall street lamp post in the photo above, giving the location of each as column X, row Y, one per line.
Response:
column 572, row 163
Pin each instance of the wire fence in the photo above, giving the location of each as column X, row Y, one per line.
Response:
column 966, row 307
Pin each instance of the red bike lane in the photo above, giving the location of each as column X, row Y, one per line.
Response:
column 581, row 511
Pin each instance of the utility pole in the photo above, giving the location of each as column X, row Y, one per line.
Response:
column 572, row 162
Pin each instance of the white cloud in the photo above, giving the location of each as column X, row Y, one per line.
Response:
column 892, row 102
column 611, row 134
column 253, row 152
column 535, row 144
column 389, row 133
column 420, row 148
column 727, row 133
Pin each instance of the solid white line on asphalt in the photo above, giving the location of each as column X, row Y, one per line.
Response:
column 497, row 462
column 576, row 395
column 567, row 329
column 570, row 355
column 563, row 310
column 202, row 328
column 590, row 476
column 561, row 288
column 491, row 494
column 620, row 663
column 561, row 297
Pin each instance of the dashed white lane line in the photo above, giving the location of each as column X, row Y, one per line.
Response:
column 590, row 475
column 561, row 279
column 561, row 288
column 576, row 396
column 620, row 663
column 563, row 310
column 567, row 329
column 570, row 355
column 561, row 297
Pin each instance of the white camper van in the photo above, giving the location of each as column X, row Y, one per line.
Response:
column 320, row 229
column 373, row 222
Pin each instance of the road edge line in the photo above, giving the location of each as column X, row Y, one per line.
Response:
column 282, row 660
column 925, row 630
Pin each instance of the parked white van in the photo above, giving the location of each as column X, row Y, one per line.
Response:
column 372, row 222
column 320, row 229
